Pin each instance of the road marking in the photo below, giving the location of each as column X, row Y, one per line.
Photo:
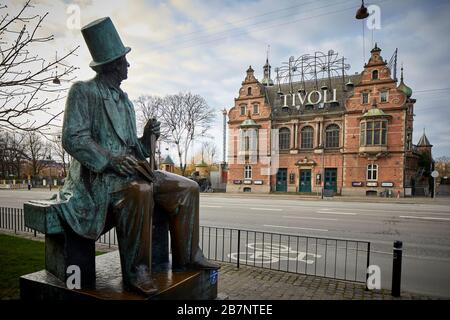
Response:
column 211, row 206
column 341, row 213
column 425, row 218
column 313, row 218
column 266, row 209
column 284, row 227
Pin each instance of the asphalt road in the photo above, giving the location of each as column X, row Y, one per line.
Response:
column 423, row 228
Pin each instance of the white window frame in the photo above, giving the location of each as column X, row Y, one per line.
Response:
column 247, row 171
column 387, row 96
column 371, row 169
column 245, row 109
column 362, row 97
column 256, row 106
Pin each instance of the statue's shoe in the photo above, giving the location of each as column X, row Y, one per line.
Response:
column 145, row 287
column 204, row 264
column 199, row 264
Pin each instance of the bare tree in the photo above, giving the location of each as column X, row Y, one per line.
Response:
column 442, row 165
column 148, row 107
column 209, row 149
column 29, row 83
column 185, row 117
column 11, row 154
column 61, row 154
column 36, row 151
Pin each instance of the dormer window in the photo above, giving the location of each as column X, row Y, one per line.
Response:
column 365, row 97
column 249, row 91
column 375, row 75
column 255, row 108
column 384, row 96
column 243, row 110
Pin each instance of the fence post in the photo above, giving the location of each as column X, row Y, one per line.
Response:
column 397, row 269
column 238, row 248
column 368, row 264
column 15, row 220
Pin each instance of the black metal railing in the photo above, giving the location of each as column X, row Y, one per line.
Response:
column 326, row 257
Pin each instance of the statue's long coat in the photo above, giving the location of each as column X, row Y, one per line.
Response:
column 92, row 134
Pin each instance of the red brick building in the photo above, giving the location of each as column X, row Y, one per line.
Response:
column 351, row 135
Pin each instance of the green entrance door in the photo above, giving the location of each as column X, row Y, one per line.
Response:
column 331, row 179
column 281, row 180
column 305, row 181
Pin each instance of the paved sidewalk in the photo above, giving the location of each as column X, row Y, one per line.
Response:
column 249, row 283
column 296, row 196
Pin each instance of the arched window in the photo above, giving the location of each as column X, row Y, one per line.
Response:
column 307, row 137
column 375, row 75
column 284, row 136
column 247, row 172
column 249, row 91
column 332, row 136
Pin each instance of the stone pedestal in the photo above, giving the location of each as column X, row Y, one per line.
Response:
column 186, row 285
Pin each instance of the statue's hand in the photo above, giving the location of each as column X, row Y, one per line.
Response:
column 152, row 126
column 123, row 165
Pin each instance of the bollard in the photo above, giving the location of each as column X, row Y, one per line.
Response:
column 397, row 268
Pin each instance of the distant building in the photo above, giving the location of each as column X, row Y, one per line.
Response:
column 168, row 165
column 350, row 135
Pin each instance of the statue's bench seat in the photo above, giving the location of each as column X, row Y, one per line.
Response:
column 63, row 247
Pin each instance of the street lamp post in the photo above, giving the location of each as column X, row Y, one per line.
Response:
column 50, row 180
column 323, row 169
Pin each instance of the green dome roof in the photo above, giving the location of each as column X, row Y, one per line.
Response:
column 248, row 123
column 375, row 112
column 404, row 88
column 168, row 160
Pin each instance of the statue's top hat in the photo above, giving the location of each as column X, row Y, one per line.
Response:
column 103, row 42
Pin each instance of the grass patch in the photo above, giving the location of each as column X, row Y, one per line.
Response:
column 18, row 257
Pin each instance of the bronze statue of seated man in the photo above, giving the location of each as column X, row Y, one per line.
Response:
column 110, row 183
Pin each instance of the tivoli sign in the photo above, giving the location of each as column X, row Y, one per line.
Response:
column 312, row 97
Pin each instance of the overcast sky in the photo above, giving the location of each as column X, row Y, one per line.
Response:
column 206, row 46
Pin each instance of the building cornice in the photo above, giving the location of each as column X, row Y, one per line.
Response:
column 375, row 83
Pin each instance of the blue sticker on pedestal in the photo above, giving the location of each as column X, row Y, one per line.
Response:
column 213, row 277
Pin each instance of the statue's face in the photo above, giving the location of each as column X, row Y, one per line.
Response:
column 122, row 68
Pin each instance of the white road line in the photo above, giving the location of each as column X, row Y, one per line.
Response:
column 266, row 209
column 425, row 218
column 313, row 218
column 284, row 227
column 211, row 206
column 342, row 213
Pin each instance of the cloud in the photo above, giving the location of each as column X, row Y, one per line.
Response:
column 205, row 47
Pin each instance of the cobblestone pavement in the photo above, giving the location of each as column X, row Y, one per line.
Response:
column 249, row 283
